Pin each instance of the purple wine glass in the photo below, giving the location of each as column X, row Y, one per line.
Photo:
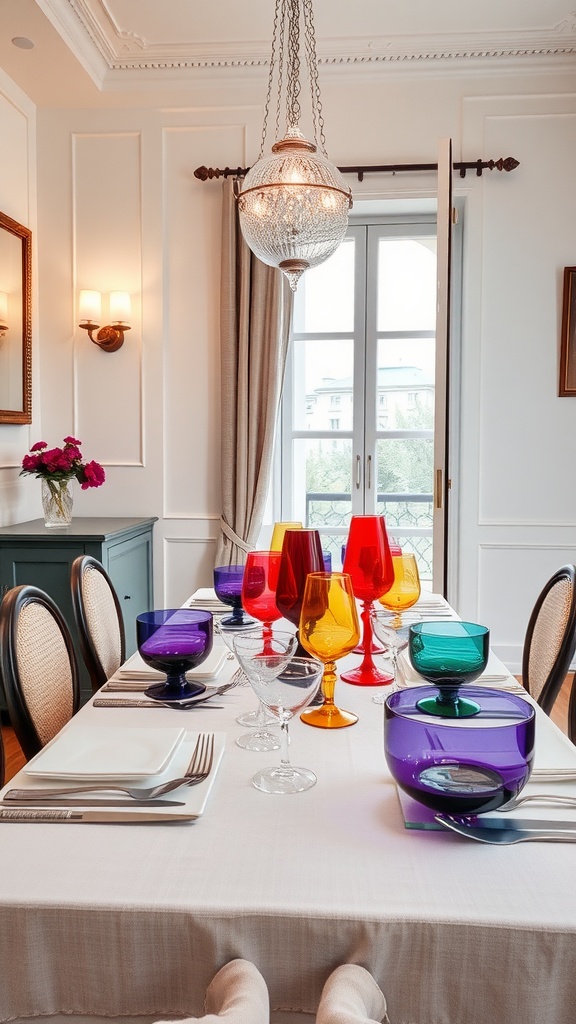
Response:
column 460, row 765
column 174, row 640
column 228, row 586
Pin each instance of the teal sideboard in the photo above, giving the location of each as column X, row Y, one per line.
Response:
column 31, row 553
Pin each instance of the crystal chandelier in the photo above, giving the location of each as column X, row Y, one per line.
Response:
column 293, row 204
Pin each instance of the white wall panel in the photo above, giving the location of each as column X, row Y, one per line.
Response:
column 19, row 499
column 511, row 577
column 108, row 257
column 188, row 564
column 192, row 227
column 527, row 432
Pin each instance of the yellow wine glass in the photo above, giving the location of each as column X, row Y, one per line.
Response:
column 405, row 590
column 329, row 629
column 278, row 534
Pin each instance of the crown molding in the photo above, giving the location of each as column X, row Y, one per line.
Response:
column 109, row 53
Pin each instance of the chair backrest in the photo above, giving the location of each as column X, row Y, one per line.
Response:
column 99, row 619
column 551, row 638
column 38, row 667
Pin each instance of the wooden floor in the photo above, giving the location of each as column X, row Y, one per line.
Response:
column 15, row 758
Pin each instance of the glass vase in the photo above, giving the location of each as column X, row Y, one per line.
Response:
column 57, row 502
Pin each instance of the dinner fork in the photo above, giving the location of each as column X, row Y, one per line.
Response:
column 505, row 836
column 197, row 771
column 563, row 799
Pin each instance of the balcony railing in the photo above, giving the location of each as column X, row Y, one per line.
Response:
column 408, row 520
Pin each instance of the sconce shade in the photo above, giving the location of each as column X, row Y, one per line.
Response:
column 90, row 306
column 3, row 311
column 111, row 337
column 120, row 307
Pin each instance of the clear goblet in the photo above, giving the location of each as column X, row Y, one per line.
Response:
column 285, row 690
column 259, row 717
column 260, row 655
column 391, row 632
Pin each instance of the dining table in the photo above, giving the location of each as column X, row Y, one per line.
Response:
column 132, row 918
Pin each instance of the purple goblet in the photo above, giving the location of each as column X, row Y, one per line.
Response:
column 174, row 640
column 228, row 586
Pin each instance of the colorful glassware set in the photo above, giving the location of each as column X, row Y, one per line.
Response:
column 289, row 671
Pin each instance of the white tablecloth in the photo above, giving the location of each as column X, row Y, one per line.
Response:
column 118, row 920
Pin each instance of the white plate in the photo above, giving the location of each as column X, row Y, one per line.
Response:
column 104, row 753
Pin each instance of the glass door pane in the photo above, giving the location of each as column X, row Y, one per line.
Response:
column 400, row 390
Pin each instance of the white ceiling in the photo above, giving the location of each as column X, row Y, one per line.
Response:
column 119, row 44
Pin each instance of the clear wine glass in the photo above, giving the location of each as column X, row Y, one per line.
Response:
column 285, row 689
column 395, row 636
column 260, row 655
column 254, row 718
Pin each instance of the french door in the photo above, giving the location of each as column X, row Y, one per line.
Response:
column 362, row 428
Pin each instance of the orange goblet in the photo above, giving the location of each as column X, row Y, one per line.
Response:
column 329, row 629
column 405, row 590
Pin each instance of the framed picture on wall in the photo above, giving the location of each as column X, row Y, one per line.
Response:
column 568, row 336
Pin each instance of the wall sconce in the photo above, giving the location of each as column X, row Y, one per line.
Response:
column 3, row 313
column 109, row 338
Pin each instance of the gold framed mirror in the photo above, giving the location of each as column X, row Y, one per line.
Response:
column 15, row 322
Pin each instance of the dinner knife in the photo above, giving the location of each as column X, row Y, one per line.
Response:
column 65, row 801
column 102, row 817
column 123, row 702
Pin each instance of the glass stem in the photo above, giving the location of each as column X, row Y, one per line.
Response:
column 285, row 746
column 329, row 683
column 367, row 661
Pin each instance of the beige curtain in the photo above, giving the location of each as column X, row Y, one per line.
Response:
column 256, row 305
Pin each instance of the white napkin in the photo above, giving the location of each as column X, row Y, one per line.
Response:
column 206, row 598
column 431, row 602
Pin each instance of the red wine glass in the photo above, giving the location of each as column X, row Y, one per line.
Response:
column 259, row 587
column 301, row 554
column 368, row 561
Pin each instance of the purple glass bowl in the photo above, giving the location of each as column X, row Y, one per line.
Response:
column 174, row 640
column 460, row 765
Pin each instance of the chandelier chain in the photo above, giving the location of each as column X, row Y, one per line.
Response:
column 270, row 82
column 283, row 15
column 310, row 38
column 293, row 83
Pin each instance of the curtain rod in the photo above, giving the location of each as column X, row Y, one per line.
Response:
column 503, row 164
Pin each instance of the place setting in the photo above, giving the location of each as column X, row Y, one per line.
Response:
column 128, row 775
column 462, row 754
column 176, row 659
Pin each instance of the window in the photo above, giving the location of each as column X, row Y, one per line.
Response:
column 367, row 317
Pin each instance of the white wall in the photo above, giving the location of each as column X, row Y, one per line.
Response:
column 119, row 207
column 18, row 201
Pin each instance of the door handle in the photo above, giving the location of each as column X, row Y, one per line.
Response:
column 438, row 497
column 358, row 472
column 369, row 471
